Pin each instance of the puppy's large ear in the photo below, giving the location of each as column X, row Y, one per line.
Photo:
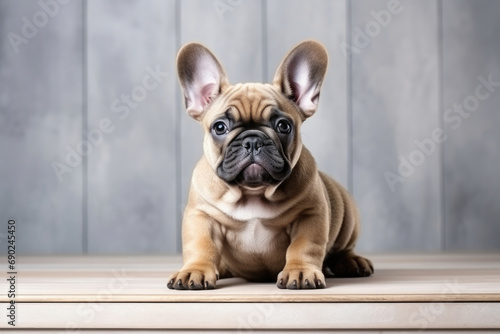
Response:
column 301, row 74
column 201, row 77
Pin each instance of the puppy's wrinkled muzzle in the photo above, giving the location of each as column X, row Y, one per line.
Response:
column 253, row 144
column 254, row 159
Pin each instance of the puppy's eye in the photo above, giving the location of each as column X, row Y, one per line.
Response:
column 220, row 128
column 284, row 127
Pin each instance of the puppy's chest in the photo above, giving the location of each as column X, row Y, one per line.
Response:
column 254, row 237
column 253, row 228
column 253, row 208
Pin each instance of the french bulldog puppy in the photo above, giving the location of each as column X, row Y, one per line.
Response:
column 258, row 207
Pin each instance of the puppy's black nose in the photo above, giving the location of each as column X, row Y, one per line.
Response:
column 253, row 144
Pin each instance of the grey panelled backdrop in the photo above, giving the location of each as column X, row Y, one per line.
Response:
column 97, row 151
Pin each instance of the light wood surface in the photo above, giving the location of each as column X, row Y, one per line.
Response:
column 249, row 316
column 405, row 278
column 406, row 292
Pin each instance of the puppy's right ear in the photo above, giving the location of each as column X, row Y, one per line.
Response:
column 201, row 77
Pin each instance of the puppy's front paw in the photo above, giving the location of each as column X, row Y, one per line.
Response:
column 193, row 278
column 301, row 278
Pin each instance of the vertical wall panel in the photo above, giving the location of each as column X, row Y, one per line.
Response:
column 232, row 30
column 471, row 49
column 142, row 146
column 40, row 115
column 290, row 22
column 395, row 101
column 132, row 194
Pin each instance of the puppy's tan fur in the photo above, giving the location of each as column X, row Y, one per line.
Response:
column 290, row 231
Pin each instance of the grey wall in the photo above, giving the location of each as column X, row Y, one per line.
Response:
column 403, row 121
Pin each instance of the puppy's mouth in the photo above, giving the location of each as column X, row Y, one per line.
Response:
column 254, row 175
column 252, row 159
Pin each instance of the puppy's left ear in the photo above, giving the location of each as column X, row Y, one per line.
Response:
column 301, row 74
column 201, row 77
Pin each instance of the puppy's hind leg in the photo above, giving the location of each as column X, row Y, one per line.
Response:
column 347, row 263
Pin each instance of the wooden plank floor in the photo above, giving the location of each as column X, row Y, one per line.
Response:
column 407, row 292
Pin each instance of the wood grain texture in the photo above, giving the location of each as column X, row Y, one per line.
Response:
column 407, row 292
column 395, row 102
column 40, row 116
column 326, row 134
column 250, row 316
column 132, row 173
column 403, row 278
column 471, row 50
